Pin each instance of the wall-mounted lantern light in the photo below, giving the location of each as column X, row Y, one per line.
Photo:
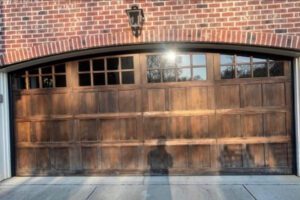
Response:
column 136, row 19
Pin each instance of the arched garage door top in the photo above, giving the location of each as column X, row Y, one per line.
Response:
column 234, row 37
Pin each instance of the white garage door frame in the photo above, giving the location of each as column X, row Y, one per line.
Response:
column 297, row 110
column 5, row 155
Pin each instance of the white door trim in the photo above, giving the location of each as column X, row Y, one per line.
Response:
column 297, row 111
column 5, row 155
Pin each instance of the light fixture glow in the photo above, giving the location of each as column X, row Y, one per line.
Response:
column 171, row 56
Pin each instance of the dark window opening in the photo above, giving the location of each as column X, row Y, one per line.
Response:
column 107, row 71
column 127, row 62
column 47, row 81
column 112, row 63
column 276, row 68
column 34, row 82
column 98, row 65
column 21, row 83
column 33, row 71
column 127, row 77
column 84, row 79
column 84, row 66
column 47, row 70
column 99, row 79
column 113, row 78
column 60, row 68
column 60, row 81
column 43, row 77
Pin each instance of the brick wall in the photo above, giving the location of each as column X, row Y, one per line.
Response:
column 35, row 28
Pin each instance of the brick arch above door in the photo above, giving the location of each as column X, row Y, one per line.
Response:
column 234, row 37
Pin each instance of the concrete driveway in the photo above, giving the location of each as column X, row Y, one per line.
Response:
column 146, row 188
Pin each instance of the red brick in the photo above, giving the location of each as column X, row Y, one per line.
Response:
column 44, row 28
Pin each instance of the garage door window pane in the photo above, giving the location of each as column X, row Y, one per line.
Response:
column 113, row 78
column 98, row 65
column 255, row 60
column 43, row 77
column 33, row 71
column 127, row 77
column 61, row 68
column 84, row 79
column 153, row 61
column 260, row 70
column 227, row 72
column 47, row 70
column 99, row 79
column 183, row 61
column 60, row 81
column 199, row 73
column 243, row 71
column 276, row 69
column 176, row 67
column 21, row 83
column 47, row 81
column 242, row 59
column 107, row 71
column 169, row 75
column 199, row 59
column 227, row 59
column 184, row 74
column 34, row 82
column 127, row 63
column 167, row 61
column 84, row 66
column 153, row 76
column 112, row 63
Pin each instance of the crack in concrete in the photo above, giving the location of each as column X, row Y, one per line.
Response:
column 249, row 192
column 88, row 197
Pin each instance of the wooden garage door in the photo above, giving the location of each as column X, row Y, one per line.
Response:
column 184, row 113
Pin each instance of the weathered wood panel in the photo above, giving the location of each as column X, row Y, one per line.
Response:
column 228, row 96
column 108, row 101
column 88, row 130
column 200, row 156
column 198, row 127
column 42, row 131
column 252, row 95
column 23, row 131
column 252, row 125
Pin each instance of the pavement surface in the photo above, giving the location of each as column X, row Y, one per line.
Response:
column 154, row 188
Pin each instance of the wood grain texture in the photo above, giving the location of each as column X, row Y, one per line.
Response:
column 197, row 127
